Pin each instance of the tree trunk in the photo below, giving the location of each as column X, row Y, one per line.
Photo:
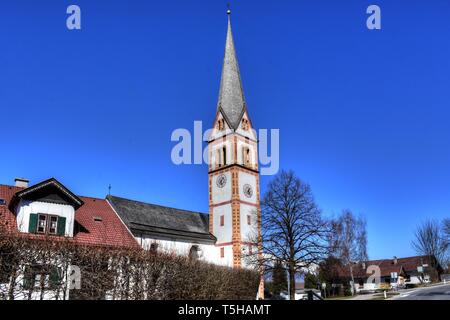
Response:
column 292, row 281
column 352, row 288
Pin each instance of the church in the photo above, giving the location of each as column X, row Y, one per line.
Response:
column 223, row 236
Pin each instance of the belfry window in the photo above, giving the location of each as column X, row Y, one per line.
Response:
column 217, row 159
column 246, row 156
column 224, row 156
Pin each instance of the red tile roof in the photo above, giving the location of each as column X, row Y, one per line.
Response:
column 387, row 266
column 96, row 222
column 7, row 218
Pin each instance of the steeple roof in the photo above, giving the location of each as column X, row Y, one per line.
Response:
column 231, row 95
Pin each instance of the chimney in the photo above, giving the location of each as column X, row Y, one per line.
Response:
column 395, row 260
column 364, row 266
column 22, row 183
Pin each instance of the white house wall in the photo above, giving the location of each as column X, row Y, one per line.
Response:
column 27, row 207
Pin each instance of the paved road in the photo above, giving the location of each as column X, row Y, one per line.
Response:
column 440, row 292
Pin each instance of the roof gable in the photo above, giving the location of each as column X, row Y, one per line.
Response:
column 96, row 223
column 50, row 190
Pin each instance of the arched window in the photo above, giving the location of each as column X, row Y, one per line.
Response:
column 154, row 248
column 245, row 125
column 217, row 159
column 221, row 124
column 224, row 156
column 246, row 156
column 194, row 252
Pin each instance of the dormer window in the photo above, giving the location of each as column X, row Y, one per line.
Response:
column 42, row 223
column 47, row 224
column 2, row 202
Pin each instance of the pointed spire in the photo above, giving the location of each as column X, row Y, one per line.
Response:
column 231, row 95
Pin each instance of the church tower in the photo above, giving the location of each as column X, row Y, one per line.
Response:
column 234, row 199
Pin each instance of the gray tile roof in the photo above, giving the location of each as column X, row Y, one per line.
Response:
column 231, row 95
column 162, row 222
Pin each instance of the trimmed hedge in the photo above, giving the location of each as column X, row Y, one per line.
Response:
column 117, row 274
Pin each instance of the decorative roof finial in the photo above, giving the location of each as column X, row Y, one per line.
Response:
column 229, row 10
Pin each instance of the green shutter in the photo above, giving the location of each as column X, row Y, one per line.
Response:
column 61, row 226
column 32, row 226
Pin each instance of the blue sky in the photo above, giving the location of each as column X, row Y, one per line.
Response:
column 363, row 115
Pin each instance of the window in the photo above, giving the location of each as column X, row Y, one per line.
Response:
column 222, row 221
column 246, row 156
column 194, row 253
column 224, row 156
column 217, row 159
column 249, row 220
column 245, row 124
column 53, row 224
column 2, row 202
column 42, row 223
column 41, row 276
column 154, row 248
column 222, row 252
column 221, row 124
column 47, row 224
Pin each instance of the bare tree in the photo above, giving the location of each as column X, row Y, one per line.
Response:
column 446, row 229
column 430, row 241
column 446, row 232
column 348, row 241
column 293, row 231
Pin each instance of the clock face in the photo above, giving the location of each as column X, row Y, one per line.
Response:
column 248, row 190
column 221, row 181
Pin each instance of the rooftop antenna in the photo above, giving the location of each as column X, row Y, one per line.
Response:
column 228, row 8
column 109, row 190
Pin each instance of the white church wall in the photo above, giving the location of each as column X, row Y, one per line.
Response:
column 222, row 233
column 221, row 194
column 207, row 252
column 227, row 259
column 248, row 232
column 245, row 178
column 27, row 207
